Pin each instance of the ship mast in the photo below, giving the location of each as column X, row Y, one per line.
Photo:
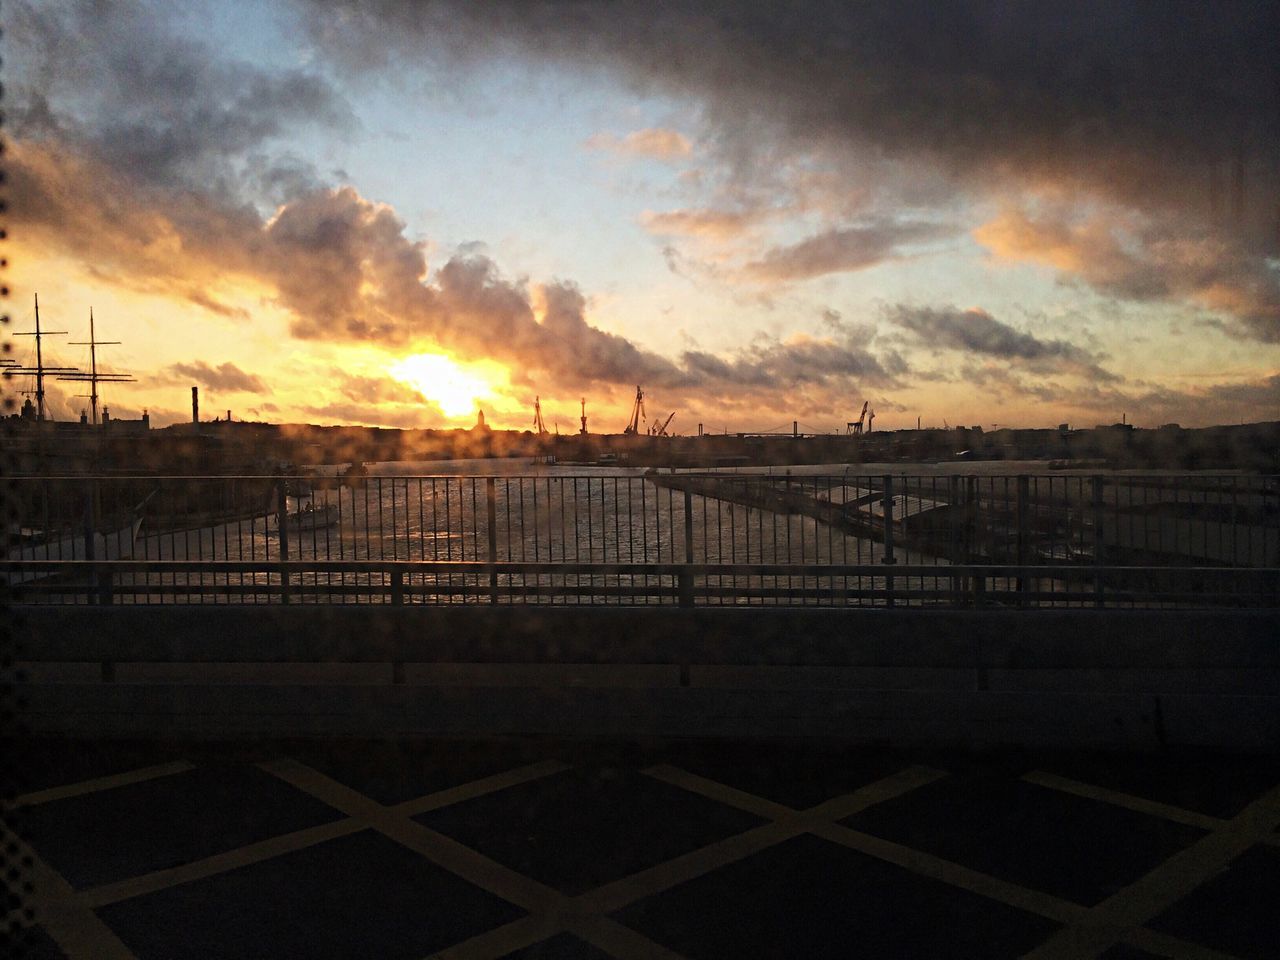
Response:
column 94, row 377
column 40, row 368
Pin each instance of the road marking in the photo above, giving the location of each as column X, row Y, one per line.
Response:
column 69, row 917
column 1130, row 802
column 74, row 927
column 455, row 857
column 100, row 783
column 551, row 910
column 917, row 861
column 1149, row 896
column 478, row 788
column 787, row 824
column 218, row 863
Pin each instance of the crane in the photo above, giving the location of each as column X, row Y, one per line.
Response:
column 855, row 426
column 661, row 431
column 538, row 425
column 584, row 416
column 637, row 413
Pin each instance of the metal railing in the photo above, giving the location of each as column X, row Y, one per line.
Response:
column 625, row 538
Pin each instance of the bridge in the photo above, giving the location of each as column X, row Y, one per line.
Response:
column 1113, row 611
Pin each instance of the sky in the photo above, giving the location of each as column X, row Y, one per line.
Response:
column 397, row 214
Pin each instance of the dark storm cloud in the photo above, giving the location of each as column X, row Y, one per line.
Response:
column 168, row 109
column 1101, row 88
column 226, row 376
column 977, row 332
column 1170, row 108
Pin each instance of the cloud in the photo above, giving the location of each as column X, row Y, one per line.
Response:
column 1144, row 259
column 167, row 108
column 652, row 144
column 1168, row 110
column 840, row 251
column 1149, row 405
column 1099, row 94
column 374, row 390
column 343, row 268
column 712, row 224
column 227, row 377
column 975, row 331
column 375, row 415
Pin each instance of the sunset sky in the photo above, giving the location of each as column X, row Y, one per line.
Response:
column 396, row 213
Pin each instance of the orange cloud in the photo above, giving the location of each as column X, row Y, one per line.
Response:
column 708, row 224
column 1134, row 258
column 652, row 143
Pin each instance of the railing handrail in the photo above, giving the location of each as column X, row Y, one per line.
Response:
column 837, row 472
column 656, row 568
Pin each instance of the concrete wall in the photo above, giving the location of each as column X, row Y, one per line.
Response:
column 1123, row 679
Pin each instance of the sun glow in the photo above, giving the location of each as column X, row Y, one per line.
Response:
column 456, row 388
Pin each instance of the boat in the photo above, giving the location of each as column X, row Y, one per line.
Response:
column 311, row 517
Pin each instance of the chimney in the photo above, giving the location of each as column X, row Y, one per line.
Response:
column 195, row 405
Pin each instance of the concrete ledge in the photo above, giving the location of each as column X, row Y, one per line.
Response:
column 1080, row 678
column 908, row 638
column 946, row 718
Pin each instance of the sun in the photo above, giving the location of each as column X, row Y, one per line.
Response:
column 454, row 387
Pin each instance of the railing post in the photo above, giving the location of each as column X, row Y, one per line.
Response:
column 1024, row 538
column 282, row 524
column 888, row 558
column 397, row 588
column 1099, row 542
column 106, row 592
column 491, row 513
column 887, row 503
column 953, row 522
column 685, row 577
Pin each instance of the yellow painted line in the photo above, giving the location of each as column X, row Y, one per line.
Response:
column 503, row 940
column 1164, row 945
column 1135, row 905
column 1128, row 801
column 455, row 857
column 718, row 791
column 953, row 874
column 101, row 783
column 546, row 903
column 619, row 941
column 478, row 788
column 613, row 896
column 218, row 863
column 74, row 927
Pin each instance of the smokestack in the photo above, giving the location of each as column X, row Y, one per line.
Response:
column 795, row 428
column 195, row 405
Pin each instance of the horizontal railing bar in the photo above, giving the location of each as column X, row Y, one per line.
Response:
column 1086, row 570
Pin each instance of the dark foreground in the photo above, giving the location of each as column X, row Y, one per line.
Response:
column 388, row 850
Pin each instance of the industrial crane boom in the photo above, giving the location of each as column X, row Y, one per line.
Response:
column 662, row 430
column 637, row 413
